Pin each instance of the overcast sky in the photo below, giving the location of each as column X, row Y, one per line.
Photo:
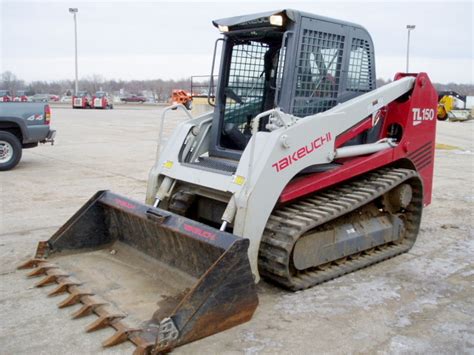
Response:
column 148, row 40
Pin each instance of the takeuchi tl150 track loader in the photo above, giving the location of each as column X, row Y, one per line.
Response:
column 303, row 172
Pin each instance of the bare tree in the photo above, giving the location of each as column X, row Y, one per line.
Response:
column 10, row 82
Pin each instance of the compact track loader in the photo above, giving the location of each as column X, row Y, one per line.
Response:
column 303, row 172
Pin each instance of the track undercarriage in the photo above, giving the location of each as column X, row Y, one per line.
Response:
column 342, row 229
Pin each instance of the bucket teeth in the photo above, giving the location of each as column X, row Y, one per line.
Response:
column 41, row 269
column 103, row 321
column 119, row 336
column 51, row 278
column 30, row 264
column 87, row 309
column 74, row 298
column 63, row 287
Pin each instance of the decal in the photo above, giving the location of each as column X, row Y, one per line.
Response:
column 238, row 180
column 35, row 117
column 376, row 117
column 302, row 152
column 422, row 114
column 168, row 164
column 125, row 204
column 199, row 232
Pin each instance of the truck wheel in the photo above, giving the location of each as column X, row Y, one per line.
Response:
column 10, row 151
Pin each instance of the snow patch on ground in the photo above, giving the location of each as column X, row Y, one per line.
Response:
column 338, row 298
column 259, row 343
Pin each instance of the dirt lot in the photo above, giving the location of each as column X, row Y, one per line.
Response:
column 419, row 302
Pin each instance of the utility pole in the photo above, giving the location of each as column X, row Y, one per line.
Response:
column 409, row 29
column 74, row 10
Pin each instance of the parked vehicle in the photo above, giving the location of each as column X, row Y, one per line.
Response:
column 5, row 96
column 66, row 99
column 22, row 125
column 54, row 98
column 133, row 98
column 448, row 107
column 20, row 96
column 102, row 100
column 40, row 98
column 82, row 100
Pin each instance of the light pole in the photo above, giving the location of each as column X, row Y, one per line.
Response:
column 409, row 28
column 74, row 10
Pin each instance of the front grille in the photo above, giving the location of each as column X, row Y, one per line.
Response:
column 422, row 157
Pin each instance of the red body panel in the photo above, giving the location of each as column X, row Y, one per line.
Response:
column 416, row 114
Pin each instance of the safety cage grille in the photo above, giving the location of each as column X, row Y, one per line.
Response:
column 247, row 81
column 318, row 72
column 360, row 67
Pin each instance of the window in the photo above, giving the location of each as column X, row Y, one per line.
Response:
column 246, row 83
column 318, row 72
column 250, row 89
column 360, row 64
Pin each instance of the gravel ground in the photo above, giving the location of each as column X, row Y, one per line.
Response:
column 418, row 302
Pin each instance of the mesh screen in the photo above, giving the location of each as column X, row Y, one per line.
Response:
column 318, row 72
column 360, row 63
column 247, row 80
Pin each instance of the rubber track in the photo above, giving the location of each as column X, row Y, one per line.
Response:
column 288, row 223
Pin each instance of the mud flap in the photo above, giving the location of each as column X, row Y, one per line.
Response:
column 160, row 279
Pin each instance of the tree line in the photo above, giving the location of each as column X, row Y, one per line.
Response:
column 160, row 89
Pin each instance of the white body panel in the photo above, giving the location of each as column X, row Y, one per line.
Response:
column 98, row 102
column 77, row 102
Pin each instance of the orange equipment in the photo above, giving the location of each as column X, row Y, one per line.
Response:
column 184, row 97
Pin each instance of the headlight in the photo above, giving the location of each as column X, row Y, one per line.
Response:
column 276, row 20
column 223, row 28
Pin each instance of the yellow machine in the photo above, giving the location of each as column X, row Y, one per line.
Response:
column 447, row 107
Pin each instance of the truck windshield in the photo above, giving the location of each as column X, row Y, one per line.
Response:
column 250, row 89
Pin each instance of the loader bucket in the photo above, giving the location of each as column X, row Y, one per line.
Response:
column 160, row 279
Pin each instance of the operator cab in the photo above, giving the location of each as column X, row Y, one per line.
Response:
column 302, row 63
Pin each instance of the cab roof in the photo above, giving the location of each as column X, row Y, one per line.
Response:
column 292, row 15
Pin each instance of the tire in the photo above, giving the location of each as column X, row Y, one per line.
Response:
column 10, row 151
